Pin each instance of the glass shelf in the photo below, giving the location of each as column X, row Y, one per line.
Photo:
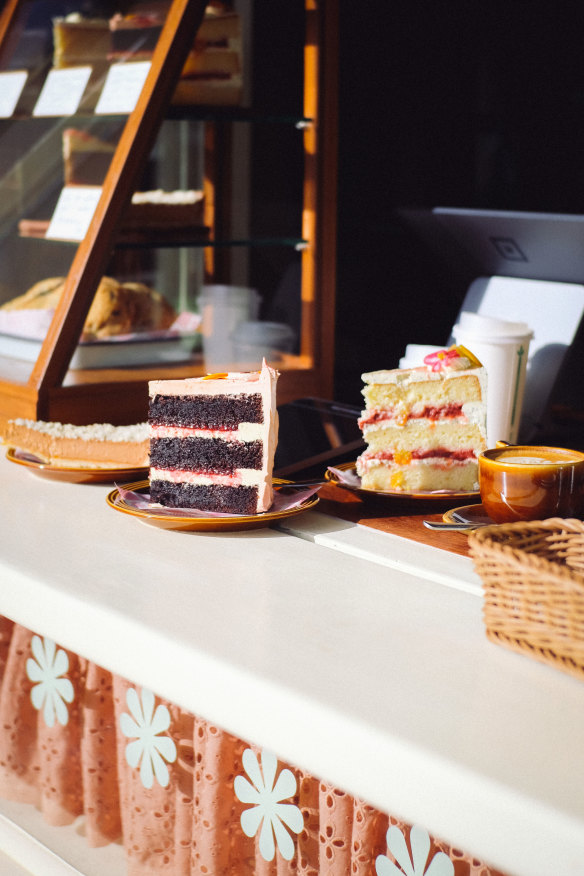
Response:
column 186, row 113
column 169, row 239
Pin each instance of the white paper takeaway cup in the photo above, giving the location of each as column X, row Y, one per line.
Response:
column 502, row 347
column 222, row 309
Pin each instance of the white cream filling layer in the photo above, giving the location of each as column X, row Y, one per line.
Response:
column 436, row 461
column 231, row 383
column 392, row 422
column 242, row 477
column 244, row 432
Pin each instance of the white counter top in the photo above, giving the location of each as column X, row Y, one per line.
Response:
column 351, row 653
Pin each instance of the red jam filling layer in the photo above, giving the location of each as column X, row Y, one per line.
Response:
column 436, row 453
column 429, row 412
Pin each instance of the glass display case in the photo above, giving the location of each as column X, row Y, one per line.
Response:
column 164, row 174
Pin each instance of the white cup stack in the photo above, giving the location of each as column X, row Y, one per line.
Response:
column 502, row 347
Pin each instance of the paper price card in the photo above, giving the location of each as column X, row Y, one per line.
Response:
column 11, row 85
column 73, row 213
column 62, row 92
column 122, row 87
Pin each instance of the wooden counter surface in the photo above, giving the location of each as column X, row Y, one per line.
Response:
column 404, row 517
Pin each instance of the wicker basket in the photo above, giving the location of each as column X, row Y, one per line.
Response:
column 533, row 577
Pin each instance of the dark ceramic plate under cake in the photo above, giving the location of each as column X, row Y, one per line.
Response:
column 83, row 473
column 127, row 499
column 345, row 476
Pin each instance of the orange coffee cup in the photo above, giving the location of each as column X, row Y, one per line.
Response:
column 525, row 482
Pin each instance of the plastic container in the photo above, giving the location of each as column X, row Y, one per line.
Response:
column 222, row 309
column 253, row 341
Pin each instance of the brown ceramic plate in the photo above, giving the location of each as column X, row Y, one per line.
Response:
column 354, row 485
column 166, row 518
column 82, row 474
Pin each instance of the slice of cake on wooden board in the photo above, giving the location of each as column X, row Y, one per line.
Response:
column 212, row 441
column 425, row 427
column 100, row 445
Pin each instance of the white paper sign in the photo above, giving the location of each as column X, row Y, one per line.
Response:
column 74, row 212
column 11, row 85
column 122, row 87
column 62, row 92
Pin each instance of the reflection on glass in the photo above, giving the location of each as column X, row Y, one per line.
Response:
column 219, row 201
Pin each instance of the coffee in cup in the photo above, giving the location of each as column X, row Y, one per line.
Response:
column 522, row 482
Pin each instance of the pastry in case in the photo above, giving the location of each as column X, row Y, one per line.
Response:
column 212, row 73
column 134, row 36
column 86, row 158
column 86, row 161
column 79, row 40
column 154, row 209
column 117, row 308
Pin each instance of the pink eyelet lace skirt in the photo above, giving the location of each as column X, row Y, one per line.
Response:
column 183, row 796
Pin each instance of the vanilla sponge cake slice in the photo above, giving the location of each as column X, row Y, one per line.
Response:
column 424, row 427
column 212, row 441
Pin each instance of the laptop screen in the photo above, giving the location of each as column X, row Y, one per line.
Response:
column 535, row 246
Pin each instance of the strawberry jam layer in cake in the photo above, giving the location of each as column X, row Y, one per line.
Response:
column 424, row 427
column 212, row 441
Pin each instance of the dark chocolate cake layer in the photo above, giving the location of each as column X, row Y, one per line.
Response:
column 236, row 500
column 205, row 412
column 205, row 454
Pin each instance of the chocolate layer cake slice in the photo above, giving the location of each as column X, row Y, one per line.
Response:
column 212, row 441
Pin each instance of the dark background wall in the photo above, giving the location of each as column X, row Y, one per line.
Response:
column 458, row 103
column 474, row 103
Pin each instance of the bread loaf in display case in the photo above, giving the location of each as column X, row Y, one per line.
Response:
column 117, row 308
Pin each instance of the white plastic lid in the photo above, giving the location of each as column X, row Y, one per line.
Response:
column 271, row 333
column 221, row 293
column 489, row 328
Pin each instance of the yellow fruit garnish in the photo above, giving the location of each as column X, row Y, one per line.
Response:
column 396, row 480
column 215, row 376
column 468, row 355
column 402, row 457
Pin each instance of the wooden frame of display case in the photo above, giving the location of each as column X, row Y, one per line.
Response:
column 53, row 392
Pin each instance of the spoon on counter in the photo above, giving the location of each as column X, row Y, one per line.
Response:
column 299, row 485
column 454, row 527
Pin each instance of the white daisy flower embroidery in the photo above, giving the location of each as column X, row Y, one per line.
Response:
column 144, row 726
column 268, row 810
column 51, row 691
column 440, row 865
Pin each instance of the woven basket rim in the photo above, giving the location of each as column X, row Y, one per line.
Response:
column 482, row 541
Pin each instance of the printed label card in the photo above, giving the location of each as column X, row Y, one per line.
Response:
column 74, row 212
column 122, row 87
column 11, row 85
column 62, row 92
